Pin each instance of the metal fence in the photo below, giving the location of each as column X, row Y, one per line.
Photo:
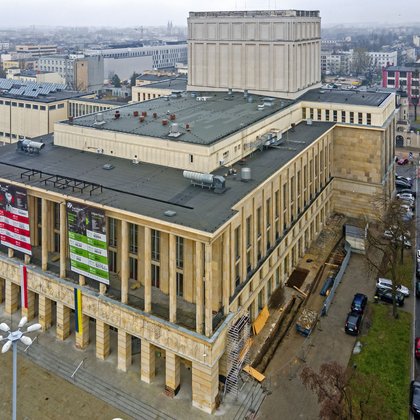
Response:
column 337, row 279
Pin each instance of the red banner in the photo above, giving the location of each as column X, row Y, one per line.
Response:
column 14, row 218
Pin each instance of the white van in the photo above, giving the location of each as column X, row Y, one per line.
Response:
column 387, row 284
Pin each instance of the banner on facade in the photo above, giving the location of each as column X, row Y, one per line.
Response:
column 14, row 219
column 87, row 240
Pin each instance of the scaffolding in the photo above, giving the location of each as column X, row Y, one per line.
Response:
column 237, row 349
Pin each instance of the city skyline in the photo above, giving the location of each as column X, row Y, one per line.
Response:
column 102, row 13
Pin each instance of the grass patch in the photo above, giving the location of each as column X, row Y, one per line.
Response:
column 385, row 361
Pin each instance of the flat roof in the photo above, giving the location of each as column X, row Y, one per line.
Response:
column 52, row 97
column 101, row 101
column 148, row 189
column 346, row 97
column 210, row 116
column 178, row 83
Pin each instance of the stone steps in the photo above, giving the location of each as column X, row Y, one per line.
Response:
column 254, row 395
column 95, row 386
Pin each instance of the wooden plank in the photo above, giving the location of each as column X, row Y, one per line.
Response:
column 261, row 320
column 254, row 373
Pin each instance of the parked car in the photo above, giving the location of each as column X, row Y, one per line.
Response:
column 415, row 398
column 417, row 288
column 404, row 178
column 386, row 296
column 417, row 347
column 408, row 205
column 353, row 322
column 359, row 303
column 405, row 196
column 387, row 284
column 407, row 190
column 402, row 161
column 399, row 183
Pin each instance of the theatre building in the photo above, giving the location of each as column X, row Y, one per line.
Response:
column 170, row 222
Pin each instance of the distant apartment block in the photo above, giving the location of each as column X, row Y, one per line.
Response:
column 416, row 40
column 336, row 63
column 173, row 86
column 4, row 45
column 80, row 72
column 378, row 60
column 36, row 50
column 404, row 77
column 34, row 76
column 239, row 50
column 126, row 61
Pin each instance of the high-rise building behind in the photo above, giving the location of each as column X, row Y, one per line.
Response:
column 269, row 52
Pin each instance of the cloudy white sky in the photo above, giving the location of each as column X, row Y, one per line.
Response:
column 159, row 12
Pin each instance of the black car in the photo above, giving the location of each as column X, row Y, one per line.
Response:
column 353, row 322
column 386, row 296
column 359, row 303
column 399, row 183
column 415, row 398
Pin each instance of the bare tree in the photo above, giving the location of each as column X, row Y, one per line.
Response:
column 345, row 393
column 386, row 239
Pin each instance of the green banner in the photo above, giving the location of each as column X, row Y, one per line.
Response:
column 87, row 241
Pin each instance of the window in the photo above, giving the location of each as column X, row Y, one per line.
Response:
column 327, row 114
column 52, row 107
column 133, row 263
column 268, row 212
column 360, row 118
column 179, row 252
column 259, row 221
column 368, row 119
column 248, row 232
column 112, row 261
column 21, row 105
column 56, row 216
column 334, row 115
column 60, row 106
column 179, row 284
column 191, row 158
column 42, row 108
column 35, row 107
column 237, row 243
column 155, row 276
column 112, row 236
column 14, row 103
column 133, row 247
column 318, row 114
column 28, row 106
column 343, row 116
column 351, row 117
column 155, row 245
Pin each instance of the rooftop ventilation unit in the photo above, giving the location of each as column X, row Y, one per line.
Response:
column 309, row 121
column 29, row 146
column 268, row 101
column 174, row 130
column 261, row 107
column 170, row 213
column 108, row 166
column 213, row 182
column 99, row 120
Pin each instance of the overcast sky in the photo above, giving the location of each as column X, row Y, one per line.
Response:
column 158, row 12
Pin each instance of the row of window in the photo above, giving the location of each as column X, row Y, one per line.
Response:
column 336, row 116
column 31, row 106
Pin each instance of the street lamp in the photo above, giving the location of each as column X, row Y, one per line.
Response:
column 12, row 340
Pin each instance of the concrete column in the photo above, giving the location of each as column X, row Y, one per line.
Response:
column 226, row 269
column 208, row 291
column 124, row 262
column 27, row 259
column 205, row 385
column 82, row 280
column 63, row 239
column 1, row 290
column 124, row 350
column 173, row 374
column 12, row 294
column 29, row 312
column 10, row 253
column 172, row 278
column 44, row 242
column 199, row 295
column 102, row 340
column 148, row 361
column 82, row 338
column 147, row 269
column 44, row 312
column 102, row 288
column 63, row 321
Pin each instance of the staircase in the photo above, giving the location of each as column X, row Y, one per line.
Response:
column 252, row 395
column 95, row 386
